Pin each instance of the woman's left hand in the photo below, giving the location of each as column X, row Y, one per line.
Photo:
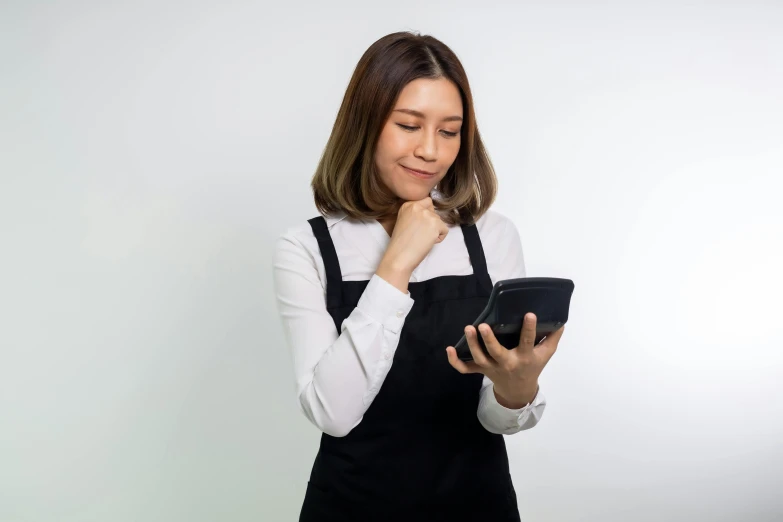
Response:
column 514, row 372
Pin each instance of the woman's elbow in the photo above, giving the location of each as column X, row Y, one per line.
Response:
column 329, row 424
column 336, row 430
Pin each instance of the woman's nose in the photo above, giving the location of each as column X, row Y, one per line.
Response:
column 427, row 147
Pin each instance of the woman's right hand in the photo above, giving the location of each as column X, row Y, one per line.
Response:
column 417, row 230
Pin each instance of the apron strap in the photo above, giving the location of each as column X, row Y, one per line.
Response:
column 477, row 259
column 334, row 277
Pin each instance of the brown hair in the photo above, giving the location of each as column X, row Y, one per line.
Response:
column 346, row 178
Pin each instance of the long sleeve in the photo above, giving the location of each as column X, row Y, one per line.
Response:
column 337, row 376
column 505, row 260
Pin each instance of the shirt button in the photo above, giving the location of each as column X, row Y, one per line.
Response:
column 400, row 313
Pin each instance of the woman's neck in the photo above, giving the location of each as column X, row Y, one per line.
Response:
column 388, row 224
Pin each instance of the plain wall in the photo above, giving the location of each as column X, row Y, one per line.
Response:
column 150, row 154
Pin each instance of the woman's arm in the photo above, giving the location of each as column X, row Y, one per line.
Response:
column 505, row 260
column 337, row 376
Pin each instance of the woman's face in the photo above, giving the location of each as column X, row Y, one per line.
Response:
column 423, row 134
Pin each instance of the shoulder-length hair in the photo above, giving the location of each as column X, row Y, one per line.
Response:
column 346, row 178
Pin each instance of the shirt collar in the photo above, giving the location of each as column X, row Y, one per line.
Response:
column 336, row 217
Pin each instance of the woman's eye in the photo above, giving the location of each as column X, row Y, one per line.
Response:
column 411, row 129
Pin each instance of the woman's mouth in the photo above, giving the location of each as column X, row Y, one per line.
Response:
column 419, row 174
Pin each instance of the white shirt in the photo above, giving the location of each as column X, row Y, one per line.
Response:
column 338, row 376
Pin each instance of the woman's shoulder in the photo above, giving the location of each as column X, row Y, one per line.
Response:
column 492, row 217
column 494, row 224
column 300, row 235
column 502, row 246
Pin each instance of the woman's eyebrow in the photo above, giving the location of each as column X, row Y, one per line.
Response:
column 421, row 115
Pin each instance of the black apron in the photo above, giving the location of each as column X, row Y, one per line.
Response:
column 419, row 452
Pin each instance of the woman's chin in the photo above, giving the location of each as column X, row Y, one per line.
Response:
column 414, row 193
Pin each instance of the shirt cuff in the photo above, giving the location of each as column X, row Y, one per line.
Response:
column 513, row 419
column 385, row 303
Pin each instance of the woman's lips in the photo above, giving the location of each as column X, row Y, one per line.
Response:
column 418, row 174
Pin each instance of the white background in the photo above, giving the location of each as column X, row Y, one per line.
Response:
column 152, row 152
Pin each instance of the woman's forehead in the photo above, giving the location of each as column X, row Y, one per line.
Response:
column 428, row 98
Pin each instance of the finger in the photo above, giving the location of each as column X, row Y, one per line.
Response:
column 549, row 346
column 479, row 356
column 443, row 228
column 498, row 352
column 527, row 338
column 459, row 365
column 426, row 203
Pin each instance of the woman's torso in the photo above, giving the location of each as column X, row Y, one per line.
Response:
column 419, row 447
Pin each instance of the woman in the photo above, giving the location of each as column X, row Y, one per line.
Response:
column 374, row 293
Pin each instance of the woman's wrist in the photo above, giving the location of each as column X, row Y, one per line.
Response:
column 394, row 275
column 516, row 400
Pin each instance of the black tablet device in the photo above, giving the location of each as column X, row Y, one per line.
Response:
column 547, row 297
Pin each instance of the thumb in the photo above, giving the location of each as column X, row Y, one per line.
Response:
column 556, row 335
column 549, row 345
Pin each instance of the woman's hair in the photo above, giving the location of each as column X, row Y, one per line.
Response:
column 347, row 179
